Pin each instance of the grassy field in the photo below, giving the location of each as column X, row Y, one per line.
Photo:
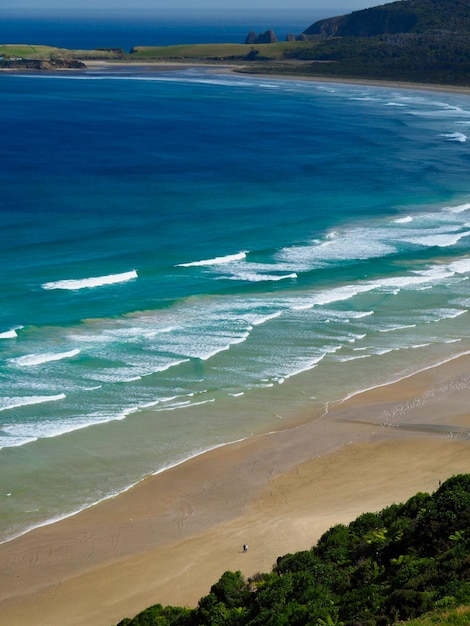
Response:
column 26, row 51
column 274, row 51
column 454, row 617
column 201, row 52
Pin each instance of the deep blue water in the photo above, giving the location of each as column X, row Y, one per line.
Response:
column 159, row 28
column 186, row 254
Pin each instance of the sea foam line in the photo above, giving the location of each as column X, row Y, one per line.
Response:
column 399, row 379
column 460, row 137
column 229, row 258
column 38, row 359
column 13, row 403
column 9, row 334
column 95, row 281
column 254, row 277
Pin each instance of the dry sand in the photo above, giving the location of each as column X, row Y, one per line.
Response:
column 170, row 538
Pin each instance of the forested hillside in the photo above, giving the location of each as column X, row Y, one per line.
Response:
column 388, row 566
column 404, row 16
column 409, row 40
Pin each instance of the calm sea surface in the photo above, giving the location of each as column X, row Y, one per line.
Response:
column 188, row 257
column 87, row 30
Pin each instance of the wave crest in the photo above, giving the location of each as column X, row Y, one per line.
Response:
column 38, row 359
column 220, row 260
column 14, row 403
column 95, row 281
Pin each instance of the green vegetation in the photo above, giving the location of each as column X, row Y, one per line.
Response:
column 409, row 40
column 404, row 16
column 453, row 617
column 30, row 52
column 224, row 51
column 25, row 52
column 398, row 564
column 429, row 57
column 425, row 41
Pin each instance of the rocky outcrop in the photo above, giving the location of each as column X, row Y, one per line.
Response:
column 266, row 37
column 39, row 64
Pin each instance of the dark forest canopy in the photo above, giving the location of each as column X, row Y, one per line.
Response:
column 388, row 566
column 404, row 16
column 409, row 40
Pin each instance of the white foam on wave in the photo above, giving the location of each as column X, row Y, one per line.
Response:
column 30, row 360
column 458, row 209
column 346, row 292
column 392, row 329
column 134, row 372
column 434, row 274
column 187, row 404
column 14, row 403
column 9, row 334
column 205, row 355
column 22, row 433
column 351, row 245
column 89, row 283
column 344, row 359
column 403, row 220
column 462, row 266
column 440, row 240
column 452, row 313
column 254, row 277
column 433, row 316
column 257, row 320
column 459, row 137
column 221, row 260
column 361, row 314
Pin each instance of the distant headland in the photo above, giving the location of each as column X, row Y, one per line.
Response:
column 420, row 41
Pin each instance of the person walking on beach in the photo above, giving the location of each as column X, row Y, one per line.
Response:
column 245, row 548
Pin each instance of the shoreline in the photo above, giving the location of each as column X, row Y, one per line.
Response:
column 169, row 537
column 376, row 447
column 302, row 420
column 237, row 69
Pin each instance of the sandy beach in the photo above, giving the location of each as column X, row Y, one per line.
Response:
column 170, row 538
column 244, row 70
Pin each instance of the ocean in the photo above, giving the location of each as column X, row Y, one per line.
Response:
column 190, row 258
column 85, row 29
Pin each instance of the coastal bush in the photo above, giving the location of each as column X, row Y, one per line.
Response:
column 395, row 564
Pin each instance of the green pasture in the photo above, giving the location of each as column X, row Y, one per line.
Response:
column 26, row 51
column 218, row 51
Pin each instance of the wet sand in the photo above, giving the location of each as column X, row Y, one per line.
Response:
column 170, row 538
column 245, row 70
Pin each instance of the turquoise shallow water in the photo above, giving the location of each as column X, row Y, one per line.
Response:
column 190, row 257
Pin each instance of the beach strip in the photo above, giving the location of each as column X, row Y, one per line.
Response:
column 169, row 539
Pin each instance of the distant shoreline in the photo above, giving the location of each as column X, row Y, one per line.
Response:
column 241, row 69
